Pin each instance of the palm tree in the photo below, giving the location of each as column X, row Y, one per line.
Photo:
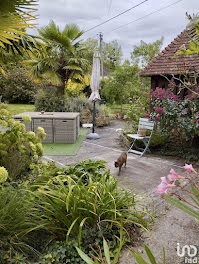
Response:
column 62, row 57
column 15, row 17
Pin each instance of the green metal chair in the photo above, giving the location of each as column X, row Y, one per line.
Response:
column 147, row 125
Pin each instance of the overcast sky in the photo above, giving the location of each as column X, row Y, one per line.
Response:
column 168, row 22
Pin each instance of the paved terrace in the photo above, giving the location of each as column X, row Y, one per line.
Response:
column 143, row 174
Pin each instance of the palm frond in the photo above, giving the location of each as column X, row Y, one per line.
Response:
column 2, row 71
column 12, row 6
column 73, row 67
column 72, row 31
column 52, row 34
column 42, row 65
column 24, row 45
column 11, row 26
column 15, row 18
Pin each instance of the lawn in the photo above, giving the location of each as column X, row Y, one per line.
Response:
column 20, row 108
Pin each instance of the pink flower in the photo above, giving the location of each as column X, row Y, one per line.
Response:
column 164, row 186
column 173, row 176
column 173, row 96
column 197, row 121
column 147, row 115
column 157, row 118
column 158, row 93
column 160, row 110
column 198, row 114
column 189, row 168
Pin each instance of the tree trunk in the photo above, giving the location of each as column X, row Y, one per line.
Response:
column 61, row 89
column 65, row 76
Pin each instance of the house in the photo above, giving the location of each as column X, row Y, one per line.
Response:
column 167, row 67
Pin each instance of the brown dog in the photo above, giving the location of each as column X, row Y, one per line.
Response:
column 120, row 161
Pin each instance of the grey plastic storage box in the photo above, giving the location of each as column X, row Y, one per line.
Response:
column 60, row 127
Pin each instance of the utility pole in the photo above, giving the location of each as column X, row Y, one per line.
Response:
column 101, row 56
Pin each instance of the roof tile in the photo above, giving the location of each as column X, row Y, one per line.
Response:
column 166, row 62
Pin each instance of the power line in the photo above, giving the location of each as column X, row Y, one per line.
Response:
column 116, row 16
column 140, row 18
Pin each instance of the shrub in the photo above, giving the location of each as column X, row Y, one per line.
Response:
column 85, row 108
column 59, row 252
column 51, row 101
column 135, row 109
column 18, row 87
column 79, row 104
column 124, row 83
column 158, row 140
column 18, row 148
column 179, row 120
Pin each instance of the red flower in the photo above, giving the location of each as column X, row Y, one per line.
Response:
column 147, row 115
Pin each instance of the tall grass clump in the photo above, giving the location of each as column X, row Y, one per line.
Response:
column 68, row 204
column 16, row 221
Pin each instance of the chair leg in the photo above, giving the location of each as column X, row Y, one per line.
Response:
column 143, row 150
column 131, row 147
column 146, row 143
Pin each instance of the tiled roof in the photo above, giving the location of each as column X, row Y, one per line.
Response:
column 167, row 63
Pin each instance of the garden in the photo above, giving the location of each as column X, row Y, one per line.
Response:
column 73, row 208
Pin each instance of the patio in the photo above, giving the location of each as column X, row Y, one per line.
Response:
column 143, row 174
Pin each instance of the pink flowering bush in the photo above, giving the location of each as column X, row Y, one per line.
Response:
column 161, row 94
column 184, row 188
column 179, row 119
column 158, row 93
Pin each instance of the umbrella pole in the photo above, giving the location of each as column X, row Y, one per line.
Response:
column 93, row 129
column 93, row 135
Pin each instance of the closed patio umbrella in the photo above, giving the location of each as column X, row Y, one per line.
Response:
column 95, row 96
